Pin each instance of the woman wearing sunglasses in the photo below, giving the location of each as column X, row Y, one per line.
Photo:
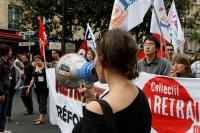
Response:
column 124, row 109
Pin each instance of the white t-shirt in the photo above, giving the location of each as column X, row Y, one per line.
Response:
column 196, row 68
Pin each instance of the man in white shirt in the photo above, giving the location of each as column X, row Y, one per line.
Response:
column 19, row 66
column 196, row 68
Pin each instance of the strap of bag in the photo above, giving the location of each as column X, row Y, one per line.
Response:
column 108, row 116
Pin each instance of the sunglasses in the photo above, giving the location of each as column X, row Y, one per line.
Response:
column 102, row 33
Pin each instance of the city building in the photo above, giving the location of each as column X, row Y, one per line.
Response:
column 192, row 31
column 9, row 24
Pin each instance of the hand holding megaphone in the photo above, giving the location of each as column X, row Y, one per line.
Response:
column 88, row 94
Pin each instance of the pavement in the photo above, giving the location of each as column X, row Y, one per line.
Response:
column 24, row 123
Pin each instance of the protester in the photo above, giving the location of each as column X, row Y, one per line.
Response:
column 90, row 55
column 181, row 67
column 28, row 70
column 19, row 71
column 115, row 64
column 12, row 87
column 41, row 90
column 56, row 58
column 5, row 53
column 151, row 63
column 170, row 52
column 196, row 67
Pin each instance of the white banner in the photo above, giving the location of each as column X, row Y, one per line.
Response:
column 174, row 102
column 65, row 106
column 128, row 14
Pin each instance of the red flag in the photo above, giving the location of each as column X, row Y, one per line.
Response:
column 83, row 48
column 163, row 43
column 157, row 36
column 141, row 54
column 42, row 38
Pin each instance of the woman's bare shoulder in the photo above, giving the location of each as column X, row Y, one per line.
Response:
column 95, row 107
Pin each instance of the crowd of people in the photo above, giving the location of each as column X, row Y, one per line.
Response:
column 21, row 75
column 116, row 63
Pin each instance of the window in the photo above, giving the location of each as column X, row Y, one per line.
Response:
column 13, row 18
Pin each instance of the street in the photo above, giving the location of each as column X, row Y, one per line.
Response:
column 24, row 123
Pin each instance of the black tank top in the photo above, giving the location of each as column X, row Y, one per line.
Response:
column 40, row 81
column 136, row 118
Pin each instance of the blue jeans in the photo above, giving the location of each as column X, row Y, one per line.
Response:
column 3, row 109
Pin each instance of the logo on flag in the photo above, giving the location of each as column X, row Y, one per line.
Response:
column 128, row 14
column 159, row 19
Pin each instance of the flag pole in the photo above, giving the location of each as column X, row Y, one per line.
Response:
column 45, row 62
column 161, row 48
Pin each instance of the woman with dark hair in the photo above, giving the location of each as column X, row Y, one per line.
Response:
column 41, row 90
column 90, row 55
column 181, row 67
column 124, row 109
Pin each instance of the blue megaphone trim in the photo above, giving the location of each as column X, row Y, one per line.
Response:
column 86, row 72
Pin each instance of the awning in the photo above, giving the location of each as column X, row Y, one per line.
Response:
column 10, row 36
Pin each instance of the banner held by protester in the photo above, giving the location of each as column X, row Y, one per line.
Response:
column 174, row 103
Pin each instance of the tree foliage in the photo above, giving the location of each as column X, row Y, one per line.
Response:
column 79, row 12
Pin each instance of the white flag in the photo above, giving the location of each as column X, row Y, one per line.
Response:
column 89, row 37
column 128, row 14
column 175, row 28
column 162, row 18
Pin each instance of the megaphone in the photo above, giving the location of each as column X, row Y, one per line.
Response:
column 72, row 69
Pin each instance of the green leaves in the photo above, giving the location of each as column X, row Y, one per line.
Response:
column 79, row 12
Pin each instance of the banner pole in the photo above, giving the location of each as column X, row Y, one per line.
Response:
column 161, row 50
column 45, row 63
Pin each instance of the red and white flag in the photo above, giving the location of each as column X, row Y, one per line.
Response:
column 83, row 48
column 159, row 19
column 42, row 38
column 89, row 42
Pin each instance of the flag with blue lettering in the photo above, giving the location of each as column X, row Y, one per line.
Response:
column 159, row 18
column 127, row 14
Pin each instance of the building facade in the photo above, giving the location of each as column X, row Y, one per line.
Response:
column 192, row 31
column 9, row 24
